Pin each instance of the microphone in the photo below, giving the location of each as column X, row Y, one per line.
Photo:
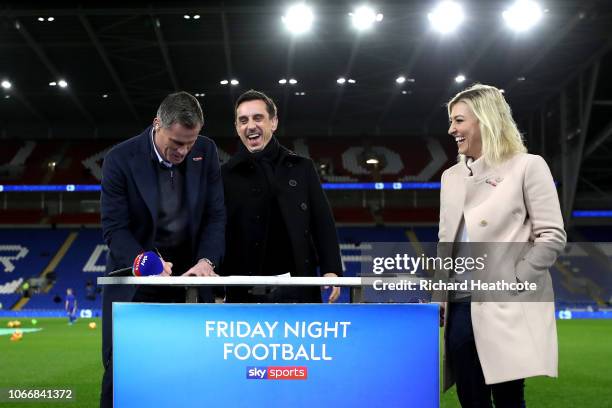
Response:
column 145, row 264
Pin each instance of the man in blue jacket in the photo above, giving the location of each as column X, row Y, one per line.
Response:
column 161, row 191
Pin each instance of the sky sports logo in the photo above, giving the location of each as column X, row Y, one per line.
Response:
column 277, row 373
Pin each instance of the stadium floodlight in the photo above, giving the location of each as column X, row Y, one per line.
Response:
column 234, row 82
column 6, row 84
column 460, row 78
column 224, row 82
column 446, row 17
column 400, row 79
column 282, row 81
column 293, row 81
column 62, row 83
column 341, row 80
column 298, row 19
column 522, row 15
column 363, row 18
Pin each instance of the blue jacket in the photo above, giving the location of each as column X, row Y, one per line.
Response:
column 129, row 210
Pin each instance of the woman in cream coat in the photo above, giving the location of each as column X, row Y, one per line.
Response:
column 498, row 193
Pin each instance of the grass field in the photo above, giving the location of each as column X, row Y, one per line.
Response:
column 585, row 369
column 62, row 357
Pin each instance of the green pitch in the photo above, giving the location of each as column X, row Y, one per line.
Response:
column 68, row 357
column 585, row 371
column 57, row 357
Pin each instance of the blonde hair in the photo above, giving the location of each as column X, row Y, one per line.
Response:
column 500, row 136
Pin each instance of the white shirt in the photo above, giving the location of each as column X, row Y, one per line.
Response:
column 462, row 250
column 159, row 156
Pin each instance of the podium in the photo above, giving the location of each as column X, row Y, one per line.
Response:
column 273, row 355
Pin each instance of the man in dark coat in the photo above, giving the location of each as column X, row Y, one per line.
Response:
column 279, row 221
column 161, row 191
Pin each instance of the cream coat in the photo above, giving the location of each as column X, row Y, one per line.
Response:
column 513, row 202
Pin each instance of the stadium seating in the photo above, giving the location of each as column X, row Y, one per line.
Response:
column 75, row 219
column 83, row 262
column 8, row 300
column 580, row 281
column 79, row 162
column 353, row 215
column 410, row 215
column 18, row 216
column 25, row 254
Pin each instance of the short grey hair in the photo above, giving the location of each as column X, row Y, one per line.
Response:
column 180, row 107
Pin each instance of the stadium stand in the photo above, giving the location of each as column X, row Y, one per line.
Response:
column 18, row 216
column 80, row 162
column 75, row 219
column 580, row 281
column 25, row 256
column 37, row 170
column 406, row 215
column 353, row 216
column 83, row 262
column 52, row 260
column 12, row 163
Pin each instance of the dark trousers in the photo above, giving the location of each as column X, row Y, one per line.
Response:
column 463, row 358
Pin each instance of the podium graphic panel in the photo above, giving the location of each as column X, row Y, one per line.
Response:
column 275, row 355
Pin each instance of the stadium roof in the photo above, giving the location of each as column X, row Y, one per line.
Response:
column 136, row 53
